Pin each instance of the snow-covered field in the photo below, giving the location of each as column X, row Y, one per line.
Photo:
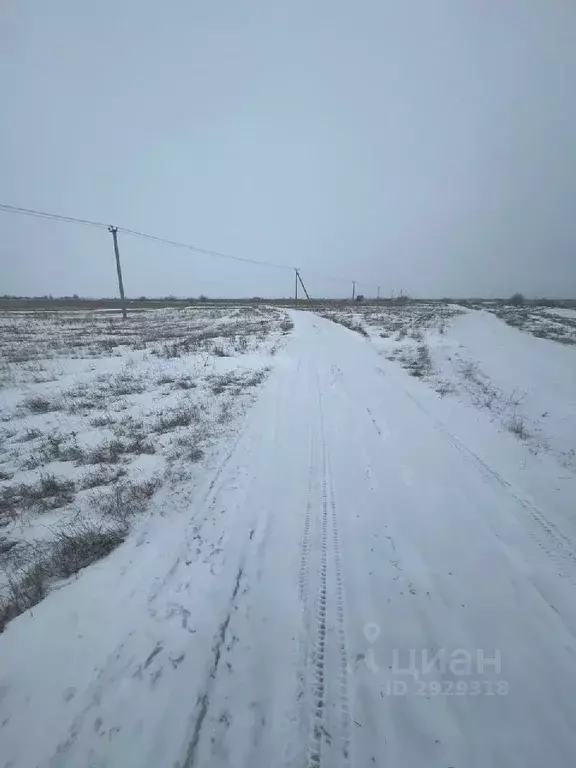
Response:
column 375, row 566
column 102, row 420
column 521, row 384
column 570, row 313
column 546, row 323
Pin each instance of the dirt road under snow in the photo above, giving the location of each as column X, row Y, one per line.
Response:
column 353, row 586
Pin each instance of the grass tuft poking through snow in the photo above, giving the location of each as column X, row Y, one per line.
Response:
column 73, row 547
column 517, row 425
column 124, row 500
column 48, row 493
column 182, row 416
column 38, row 404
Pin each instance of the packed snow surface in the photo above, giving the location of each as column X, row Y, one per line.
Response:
column 368, row 573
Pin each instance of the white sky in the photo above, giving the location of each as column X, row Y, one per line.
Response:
column 425, row 145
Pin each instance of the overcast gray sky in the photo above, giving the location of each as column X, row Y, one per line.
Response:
column 423, row 145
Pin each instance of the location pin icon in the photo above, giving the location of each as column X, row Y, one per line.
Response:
column 371, row 631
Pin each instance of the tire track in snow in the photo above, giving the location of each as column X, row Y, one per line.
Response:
column 296, row 749
column 305, row 541
column 317, row 725
column 340, row 627
column 329, row 545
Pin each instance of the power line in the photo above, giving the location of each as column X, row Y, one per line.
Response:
column 174, row 243
column 136, row 233
column 56, row 216
column 206, row 252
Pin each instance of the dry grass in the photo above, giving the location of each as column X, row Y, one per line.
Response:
column 50, row 492
column 538, row 322
column 182, row 416
column 30, row 572
column 39, row 404
column 34, row 338
column 420, row 364
column 517, row 425
column 72, row 548
column 103, row 475
column 188, row 448
column 51, row 447
column 124, row 500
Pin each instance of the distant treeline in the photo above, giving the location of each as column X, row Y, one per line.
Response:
column 8, row 302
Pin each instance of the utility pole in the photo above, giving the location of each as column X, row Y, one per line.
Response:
column 295, row 288
column 353, row 289
column 378, row 296
column 302, row 284
column 114, row 231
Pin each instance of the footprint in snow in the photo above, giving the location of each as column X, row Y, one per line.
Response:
column 69, row 693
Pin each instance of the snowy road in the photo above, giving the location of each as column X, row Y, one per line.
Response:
column 352, row 587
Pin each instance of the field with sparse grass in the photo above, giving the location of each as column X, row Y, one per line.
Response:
column 101, row 418
column 522, row 384
column 543, row 322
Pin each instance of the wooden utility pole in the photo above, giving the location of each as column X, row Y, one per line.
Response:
column 295, row 288
column 302, row 284
column 114, row 231
column 353, row 289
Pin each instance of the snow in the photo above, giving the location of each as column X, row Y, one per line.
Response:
column 283, row 607
column 138, row 403
column 541, row 374
column 571, row 313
